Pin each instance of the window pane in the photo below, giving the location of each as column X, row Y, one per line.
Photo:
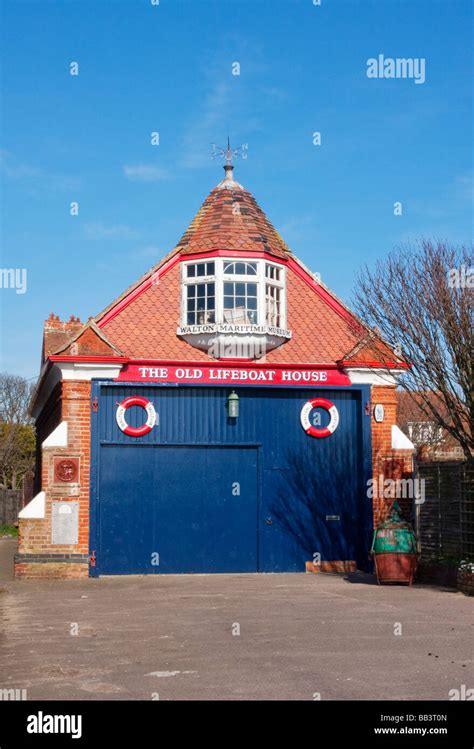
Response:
column 191, row 271
column 201, row 269
column 251, row 289
column 228, row 288
column 240, row 288
column 200, row 303
column 272, row 305
column 272, row 272
column 241, row 269
column 210, row 269
column 228, row 302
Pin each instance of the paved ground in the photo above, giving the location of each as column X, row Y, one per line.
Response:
column 173, row 636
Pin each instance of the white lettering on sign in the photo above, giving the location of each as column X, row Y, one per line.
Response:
column 252, row 375
column 229, row 328
column 304, row 376
column 189, row 374
column 155, row 373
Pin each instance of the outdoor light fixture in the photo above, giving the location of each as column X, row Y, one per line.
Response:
column 233, row 405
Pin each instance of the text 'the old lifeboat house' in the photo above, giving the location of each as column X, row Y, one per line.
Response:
column 224, row 414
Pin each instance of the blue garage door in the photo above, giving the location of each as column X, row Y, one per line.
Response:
column 177, row 509
column 201, row 492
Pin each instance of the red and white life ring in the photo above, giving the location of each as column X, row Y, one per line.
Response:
column 316, row 431
column 136, row 400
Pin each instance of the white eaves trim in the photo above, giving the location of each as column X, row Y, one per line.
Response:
column 35, row 508
column 58, row 437
column 371, row 376
column 85, row 371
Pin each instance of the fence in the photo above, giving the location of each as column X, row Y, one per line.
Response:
column 446, row 518
column 10, row 505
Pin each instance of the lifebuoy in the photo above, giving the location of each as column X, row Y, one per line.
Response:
column 316, row 431
column 136, row 400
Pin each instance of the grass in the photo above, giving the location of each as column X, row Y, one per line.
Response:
column 8, row 530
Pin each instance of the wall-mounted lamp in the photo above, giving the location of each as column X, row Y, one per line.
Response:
column 233, row 405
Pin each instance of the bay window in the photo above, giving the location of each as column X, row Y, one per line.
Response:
column 233, row 292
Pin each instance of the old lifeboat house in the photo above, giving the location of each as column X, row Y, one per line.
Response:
column 224, row 414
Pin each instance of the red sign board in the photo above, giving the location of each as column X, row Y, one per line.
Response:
column 246, row 374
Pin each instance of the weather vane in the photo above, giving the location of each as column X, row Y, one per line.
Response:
column 228, row 153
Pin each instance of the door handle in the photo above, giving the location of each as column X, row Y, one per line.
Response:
column 268, row 521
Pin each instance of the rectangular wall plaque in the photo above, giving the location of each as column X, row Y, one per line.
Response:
column 65, row 523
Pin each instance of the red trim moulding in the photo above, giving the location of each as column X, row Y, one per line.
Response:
column 335, row 305
column 242, row 363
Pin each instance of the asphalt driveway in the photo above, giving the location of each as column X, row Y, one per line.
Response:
column 233, row 637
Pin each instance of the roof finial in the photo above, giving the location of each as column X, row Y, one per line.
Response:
column 227, row 154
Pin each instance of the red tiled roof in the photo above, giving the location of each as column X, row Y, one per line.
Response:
column 142, row 322
column 231, row 219
column 89, row 340
column 146, row 328
column 371, row 348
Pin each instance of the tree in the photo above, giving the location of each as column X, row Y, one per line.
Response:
column 420, row 301
column 17, row 435
column 17, row 453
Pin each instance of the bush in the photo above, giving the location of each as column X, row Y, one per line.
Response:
column 8, row 530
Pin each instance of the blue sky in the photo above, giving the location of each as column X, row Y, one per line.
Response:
column 168, row 68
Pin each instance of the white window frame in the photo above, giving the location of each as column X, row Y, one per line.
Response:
column 220, row 277
column 192, row 281
column 280, row 284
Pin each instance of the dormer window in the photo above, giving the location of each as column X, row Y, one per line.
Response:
column 232, row 297
column 233, row 291
column 240, row 293
column 200, row 293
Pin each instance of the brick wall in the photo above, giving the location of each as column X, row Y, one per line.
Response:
column 385, row 460
column 35, row 535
